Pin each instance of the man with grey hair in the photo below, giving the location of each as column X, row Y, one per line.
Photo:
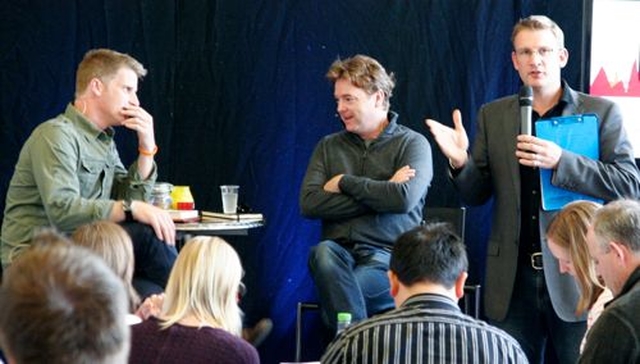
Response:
column 614, row 246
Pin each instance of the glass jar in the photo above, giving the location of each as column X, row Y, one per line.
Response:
column 161, row 195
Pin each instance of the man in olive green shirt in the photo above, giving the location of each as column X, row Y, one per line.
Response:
column 69, row 172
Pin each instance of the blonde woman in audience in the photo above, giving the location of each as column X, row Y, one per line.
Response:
column 111, row 242
column 567, row 239
column 200, row 321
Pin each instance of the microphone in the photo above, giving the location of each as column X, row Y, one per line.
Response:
column 526, row 102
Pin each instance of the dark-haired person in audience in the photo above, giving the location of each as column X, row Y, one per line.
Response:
column 524, row 292
column 567, row 239
column 367, row 184
column 61, row 304
column 69, row 172
column 427, row 273
column 614, row 246
column 200, row 320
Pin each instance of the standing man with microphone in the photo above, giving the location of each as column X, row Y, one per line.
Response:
column 525, row 293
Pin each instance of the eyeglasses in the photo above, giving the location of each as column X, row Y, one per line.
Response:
column 527, row 53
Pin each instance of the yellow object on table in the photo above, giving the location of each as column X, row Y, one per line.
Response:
column 182, row 199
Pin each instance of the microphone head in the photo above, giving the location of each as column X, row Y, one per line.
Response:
column 526, row 95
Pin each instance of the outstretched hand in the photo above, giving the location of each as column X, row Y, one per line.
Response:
column 453, row 142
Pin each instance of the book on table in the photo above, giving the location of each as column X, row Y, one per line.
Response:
column 208, row 215
column 184, row 216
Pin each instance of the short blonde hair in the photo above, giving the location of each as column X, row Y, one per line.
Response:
column 104, row 64
column 204, row 282
column 112, row 243
column 538, row 22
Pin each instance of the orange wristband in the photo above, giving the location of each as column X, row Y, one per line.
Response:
column 148, row 153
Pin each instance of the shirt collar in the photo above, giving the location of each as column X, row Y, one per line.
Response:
column 631, row 281
column 80, row 121
column 431, row 299
column 566, row 94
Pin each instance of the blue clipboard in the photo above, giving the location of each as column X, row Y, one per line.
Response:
column 575, row 133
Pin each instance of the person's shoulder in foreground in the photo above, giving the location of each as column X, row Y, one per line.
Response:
column 60, row 303
column 427, row 273
column 205, row 345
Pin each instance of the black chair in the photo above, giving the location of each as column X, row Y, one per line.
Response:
column 471, row 291
column 300, row 311
column 456, row 216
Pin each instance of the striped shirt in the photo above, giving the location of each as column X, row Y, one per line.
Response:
column 427, row 328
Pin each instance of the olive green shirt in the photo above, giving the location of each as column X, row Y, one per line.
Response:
column 68, row 173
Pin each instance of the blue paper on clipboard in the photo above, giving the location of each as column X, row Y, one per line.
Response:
column 575, row 133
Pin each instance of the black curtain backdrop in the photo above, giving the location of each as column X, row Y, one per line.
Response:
column 238, row 94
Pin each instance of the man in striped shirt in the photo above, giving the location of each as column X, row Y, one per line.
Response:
column 428, row 270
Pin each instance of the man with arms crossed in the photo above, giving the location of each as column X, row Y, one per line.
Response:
column 525, row 294
column 69, row 172
column 614, row 246
column 368, row 185
column 427, row 274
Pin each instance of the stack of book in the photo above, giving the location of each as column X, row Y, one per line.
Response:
column 184, row 216
column 208, row 216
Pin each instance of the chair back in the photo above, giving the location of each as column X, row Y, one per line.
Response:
column 456, row 216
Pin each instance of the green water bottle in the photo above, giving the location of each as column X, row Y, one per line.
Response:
column 344, row 320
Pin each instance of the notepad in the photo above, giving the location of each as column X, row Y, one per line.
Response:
column 575, row 133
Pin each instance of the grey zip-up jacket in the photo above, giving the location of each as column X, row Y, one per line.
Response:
column 370, row 209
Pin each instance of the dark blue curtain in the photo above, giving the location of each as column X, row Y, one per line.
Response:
column 238, row 94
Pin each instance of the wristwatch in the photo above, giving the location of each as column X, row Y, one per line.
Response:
column 128, row 211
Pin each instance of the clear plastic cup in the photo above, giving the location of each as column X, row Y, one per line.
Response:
column 229, row 198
